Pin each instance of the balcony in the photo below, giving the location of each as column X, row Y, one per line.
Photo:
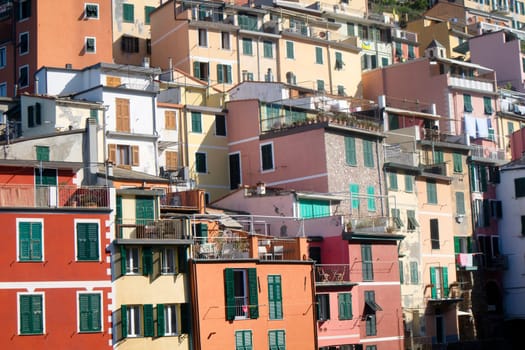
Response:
column 484, row 152
column 191, row 200
column 473, row 83
column 332, row 274
column 152, row 230
column 394, row 154
column 31, row 196
column 5, row 8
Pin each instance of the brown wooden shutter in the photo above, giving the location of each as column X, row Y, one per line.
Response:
column 135, row 155
column 171, row 160
column 122, row 114
column 112, row 81
column 169, row 117
column 112, row 153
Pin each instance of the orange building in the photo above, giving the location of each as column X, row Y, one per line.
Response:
column 51, row 33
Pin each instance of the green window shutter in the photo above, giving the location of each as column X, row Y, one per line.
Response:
column 229, row 74
column 457, row 245
column 243, row 340
column 83, row 308
column 487, row 103
column 354, row 191
column 319, row 55
column 350, row 151
column 350, row 31
column 460, row 203
column 124, row 321
column 366, row 257
column 220, row 77
column 202, row 232
column 147, row 12
column 87, row 241
column 483, row 178
column 458, row 164
column 148, row 320
column 123, row 260
column 320, row 85
column 24, row 241
column 197, row 70
column 338, row 60
column 444, row 271
column 414, row 272
column 147, row 261
column 438, row 157
column 128, row 12
column 275, row 299
column 344, row 301
column 401, row 273
column 185, row 318
column 89, row 312
column 253, row 293
column 289, row 49
column 42, row 153
column 161, row 328
column 433, row 293
column 396, row 216
column 196, row 122
column 268, row 49
column 510, row 128
column 467, row 103
column 411, row 53
column 472, row 170
column 30, row 241
column 392, row 179
column 431, row 192
column 31, row 321
column 486, row 213
column 370, row 191
column 409, row 183
column 368, row 154
column 247, row 46
column 229, row 289
column 341, row 90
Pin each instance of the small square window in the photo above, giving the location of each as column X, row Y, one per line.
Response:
column 24, row 9
column 90, row 45
column 23, row 76
column 3, row 57
column 203, row 37
column 91, row 11
column 200, row 163
column 267, row 157
column 23, row 44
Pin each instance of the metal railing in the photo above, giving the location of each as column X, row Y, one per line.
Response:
column 241, row 307
column 479, row 151
column 152, row 229
column 332, row 273
column 61, row 196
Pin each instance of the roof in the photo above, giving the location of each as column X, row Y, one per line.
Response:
column 131, row 175
column 435, row 43
column 31, row 163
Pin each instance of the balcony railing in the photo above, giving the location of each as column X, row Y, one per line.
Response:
column 61, row 196
column 152, row 229
column 479, row 151
column 471, row 83
column 332, row 273
column 241, row 307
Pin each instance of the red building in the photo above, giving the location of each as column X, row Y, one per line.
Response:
column 55, row 275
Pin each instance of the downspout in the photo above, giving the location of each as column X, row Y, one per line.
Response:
column 238, row 55
column 106, row 161
column 379, row 172
column 258, row 57
column 329, row 68
column 155, row 133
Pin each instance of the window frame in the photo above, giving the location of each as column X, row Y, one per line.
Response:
column 87, row 41
column 247, row 46
column 435, row 243
column 168, row 261
column 204, row 159
column 249, row 293
column 196, row 125
column 3, row 57
column 290, row 50
column 170, row 120
column 319, row 55
column 225, row 43
column 101, row 311
column 265, row 158
column 87, row 16
column 344, row 306
column 131, row 310
column 432, row 197
column 275, row 299
column 519, row 187
column 128, row 10
column 3, row 89
column 267, row 49
column 323, row 306
column 202, row 37
column 25, row 47
column 171, row 318
column 467, row 103
column 392, row 181
column 367, row 262
column 18, row 245
column 19, row 295
column 279, row 335
column 218, row 126
column 244, row 345
column 99, row 240
column 368, row 153
column 409, row 183
column 24, row 10
column 414, row 272
column 20, row 69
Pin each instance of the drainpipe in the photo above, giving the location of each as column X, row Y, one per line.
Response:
column 155, row 133
column 329, row 68
column 106, row 161
column 258, row 57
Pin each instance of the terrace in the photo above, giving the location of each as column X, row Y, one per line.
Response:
column 142, row 230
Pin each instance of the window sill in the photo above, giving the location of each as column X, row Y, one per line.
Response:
column 89, row 332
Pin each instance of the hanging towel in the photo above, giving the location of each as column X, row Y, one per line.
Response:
column 465, row 260
column 470, row 126
column 482, row 127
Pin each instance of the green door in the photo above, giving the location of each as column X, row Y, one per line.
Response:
column 144, row 210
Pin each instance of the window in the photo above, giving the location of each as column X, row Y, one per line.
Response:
column 412, row 223
column 201, row 70
column 523, row 225
column 170, row 120
column 371, row 201
column 267, row 157
column 247, row 47
column 289, row 50
column 350, row 154
column 167, row 319
column 88, row 248
column 30, row 241
column 354, row 195
column 241, row 293
column 399, row 50
column 519, row 187
column 510, row 128
column 323, row 307
column 268, row 49
column 320, row 85
column 467, row 103
column 392, row 180
column 396, row 217
column 130, row 260
column 130, row 320
column 434, row 233
column 411, row 53
column 438, row 157
column 89, row 312
column 3, row 57
column 487, row 103
column 23, row 45
column 276, row 340
column 128, row 13
column 225, row 40
column 439, row 282
column 171, row 160
column 460, row 203
column 478, row 178
column 124, row 155
column 431, row 192
column 409, row 183
column 368, row 154
column 496, row 210
column 23, row 76
column 196, row 122
column 401, row 272
column 31, row 313
column 90, row 45
column 224, row 73
column 167, row 261
column 203, row 37
column 3, row 89
column 220, row 125
column 200, row 163
column 350, row 31
column 243, row 340
column 318, row 55
column 344, row 302
column 339, row 61
column 313, row 208
column 366, row 257
column 24, row 9
column 247, row 22
column 457, row 162
column 147, row 13
column 42, row 153
column 34, row 115
column 341, row 90
column 129, row 44
column 275, row 297
column 371, row 347
column 414, row 272
column 91, row 11
column 370, row 313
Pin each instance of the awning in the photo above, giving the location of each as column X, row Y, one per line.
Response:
column 464, row 313
column 372, row 305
